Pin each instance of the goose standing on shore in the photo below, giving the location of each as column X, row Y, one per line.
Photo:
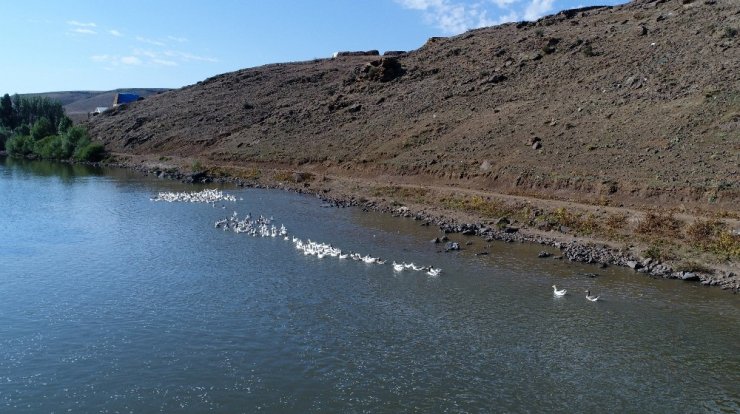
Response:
column 591, row 297
column 557, row 292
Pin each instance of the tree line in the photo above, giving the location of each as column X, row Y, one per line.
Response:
column 36, row 127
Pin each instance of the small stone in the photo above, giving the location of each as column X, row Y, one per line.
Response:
column 689, row 276
column 633, row 264
column 544, row 254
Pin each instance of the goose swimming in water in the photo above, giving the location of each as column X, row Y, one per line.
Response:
column 557, row 292
column 434, row 271
column 590, row 297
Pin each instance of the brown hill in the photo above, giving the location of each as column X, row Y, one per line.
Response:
column 637, row 105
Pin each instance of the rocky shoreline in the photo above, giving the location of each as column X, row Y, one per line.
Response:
column 591, row 253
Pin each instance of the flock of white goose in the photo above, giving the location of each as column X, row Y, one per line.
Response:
column 322, row 250
column 263, row 227
column 204, row 196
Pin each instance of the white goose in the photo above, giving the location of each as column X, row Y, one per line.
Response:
column 591, row 297
column 434, row 271
column 557, row 292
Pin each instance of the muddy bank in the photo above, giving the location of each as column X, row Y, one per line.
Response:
column 503, row 229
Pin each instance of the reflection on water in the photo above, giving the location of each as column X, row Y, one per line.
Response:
column 111, row 302
column 64, row 171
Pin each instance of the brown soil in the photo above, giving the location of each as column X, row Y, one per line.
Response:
column 608, row 111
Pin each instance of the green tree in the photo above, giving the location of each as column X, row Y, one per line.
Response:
column 42, row 129
column 7, row 114
column 5, row 134
column 64, row 124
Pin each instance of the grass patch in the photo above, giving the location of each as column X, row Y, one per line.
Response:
column 483, row 207
column 615, row 224
column 251, row 174
column 196, row 166
column 578, row 222
column 657, row 252
column 283, row 176
column 659, row 224
column 713, row 236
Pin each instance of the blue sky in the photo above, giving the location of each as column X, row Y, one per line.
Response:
column 94, row 45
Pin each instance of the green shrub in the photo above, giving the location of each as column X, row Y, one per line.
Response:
column 77, row 135
column 5, row 135
column 91, row 151
column 48, row 147
column 42, row 129
column 20, row 145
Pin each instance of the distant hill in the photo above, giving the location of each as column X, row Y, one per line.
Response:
column 78, row 104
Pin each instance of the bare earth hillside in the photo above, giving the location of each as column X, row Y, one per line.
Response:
column 639, row 103
column 622, row 110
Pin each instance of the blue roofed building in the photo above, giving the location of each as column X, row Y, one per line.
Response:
column 124, row 98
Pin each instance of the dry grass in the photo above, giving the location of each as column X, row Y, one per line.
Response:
column 714, row 236
column 659, row 224
column 283, row 176
column 251, row 174
column 485, row 207
column 660, row 252
column 614, row 225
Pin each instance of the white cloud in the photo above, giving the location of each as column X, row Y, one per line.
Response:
column 150, row 41
column 130, row 60
column 188, row 57
column 504, row 3
column 420, row 4
column 537, row 8
column 178, row 39
column 164, row 62
column 113, row 60
column 146, row 52
column 450, row 16
column 508, row 18
column 84, row 31
column 78, row 24
column 115, row 33
column 101, row 58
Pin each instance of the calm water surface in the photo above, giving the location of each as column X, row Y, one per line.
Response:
column 110, row 302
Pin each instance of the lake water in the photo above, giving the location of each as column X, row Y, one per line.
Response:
column 110, row 302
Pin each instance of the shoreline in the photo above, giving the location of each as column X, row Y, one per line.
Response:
column 572, row 248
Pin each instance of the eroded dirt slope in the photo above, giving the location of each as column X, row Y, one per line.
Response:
column 637, row 105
